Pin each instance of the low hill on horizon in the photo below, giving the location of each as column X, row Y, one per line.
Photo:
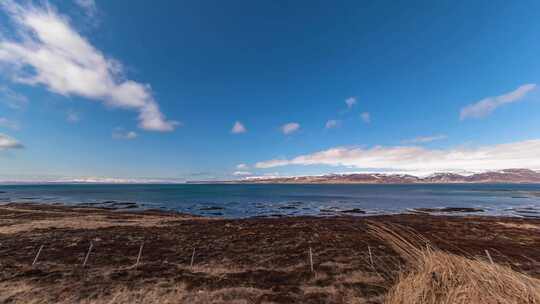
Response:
column 501, row 176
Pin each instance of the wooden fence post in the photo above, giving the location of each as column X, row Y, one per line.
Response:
column 88, row 254
column 37, row 255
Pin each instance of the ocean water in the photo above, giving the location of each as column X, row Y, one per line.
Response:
column 240, row 201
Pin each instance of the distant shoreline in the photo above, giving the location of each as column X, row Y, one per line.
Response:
column 506, row 176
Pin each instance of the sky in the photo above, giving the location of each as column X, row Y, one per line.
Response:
column 214, row 90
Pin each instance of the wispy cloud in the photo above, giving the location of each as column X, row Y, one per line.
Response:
column 7, row 143
column 290, row 128
column 242, row 166
column 350, row 102
column 53, row 54
column 242, row 173
column 12, row 99
column 365, row 117
column 238, row 128
column 89, row 6
column 424, row 139
column 7, row 123
column 522, row 154
column 73, row 117
column 487, row 105
column 332, row 124
column 119, row 133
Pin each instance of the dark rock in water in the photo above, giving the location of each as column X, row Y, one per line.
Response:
column 111, row 205
column 119, row 205
column 211, row 208
column 126, row 205
column 123, row 204
column 2, row 192
column 527, row 210
column 354, row 210
column 269, row 216
column 215, row 213
column 287, row 207
column 329, row 210
column 449, row 210
column 88, row 204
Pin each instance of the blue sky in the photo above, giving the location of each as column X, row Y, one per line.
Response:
column 231, row 89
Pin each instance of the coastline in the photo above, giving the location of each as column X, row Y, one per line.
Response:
column 244, row 201
column 258, row 260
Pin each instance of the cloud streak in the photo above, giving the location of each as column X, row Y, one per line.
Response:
column 242, row 167
column 424, row 139
column 51, row 53
column 7, row 123
column 72, row 117
column 121, row 134
column 89, row 6
column 242, row 173
column 8, row 143
column 522, row 154
column 12, row 99
column 290, row 128
column 487, row 105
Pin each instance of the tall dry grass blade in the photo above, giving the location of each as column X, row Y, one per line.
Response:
column 437, row 277
column 489, row 256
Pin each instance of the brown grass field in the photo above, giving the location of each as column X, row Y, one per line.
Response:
column 378, row 259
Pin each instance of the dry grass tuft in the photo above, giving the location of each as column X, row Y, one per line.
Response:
column 438, row 277
column 149, row 294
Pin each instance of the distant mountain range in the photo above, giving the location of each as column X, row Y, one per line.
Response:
column 501, row 176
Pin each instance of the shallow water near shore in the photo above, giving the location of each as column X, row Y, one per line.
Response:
column 240, row 201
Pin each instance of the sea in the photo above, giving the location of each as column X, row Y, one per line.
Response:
column 263, row 200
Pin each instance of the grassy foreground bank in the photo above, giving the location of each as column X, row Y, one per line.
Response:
column 186, row 259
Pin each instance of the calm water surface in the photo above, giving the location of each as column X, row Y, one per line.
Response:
column 237, row 201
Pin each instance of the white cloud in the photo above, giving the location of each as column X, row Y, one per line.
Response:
column 424, row 139
column 7, row 143
column 65, row 63
column 73, row 117
column 522, row 154
column 119, row 133
column 242, row 166
column 242, row 173
column 332, row 124
column 89, row 6
column 487, row 105
column 289, row 128
column 350, row 102
column 7, row 123
column 366, row 117
column 12, row 99
column 238, row 128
